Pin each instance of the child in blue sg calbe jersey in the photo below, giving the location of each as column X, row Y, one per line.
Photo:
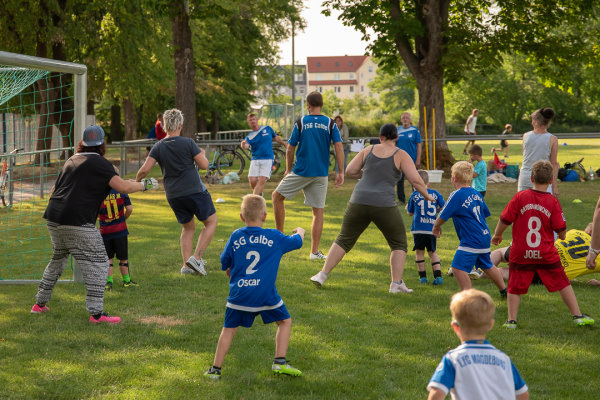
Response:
column 251, row 259
column 424, row 213
column 468, row 210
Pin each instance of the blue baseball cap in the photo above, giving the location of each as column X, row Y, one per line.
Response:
column 93, row 135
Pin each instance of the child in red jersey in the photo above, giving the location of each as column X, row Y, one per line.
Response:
column 536, row 215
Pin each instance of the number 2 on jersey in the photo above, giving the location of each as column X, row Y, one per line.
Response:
column 256, row 258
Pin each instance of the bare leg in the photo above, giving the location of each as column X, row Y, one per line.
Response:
column 462, row 278
column 110, row 267
column 434, row 258
column 316, row 229
column 513, row 301
column 397, row 260
column 335, row 255
column 282, row 337
column 252, row 180
column 123, row 268
column 186, row 240
column 259, row 186
column 495, row 275
column 278, row 210
column 205, row 237
column 420, row 259
column 568, row 296
column 225, row 340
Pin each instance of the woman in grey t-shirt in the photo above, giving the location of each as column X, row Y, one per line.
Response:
column 374, row 200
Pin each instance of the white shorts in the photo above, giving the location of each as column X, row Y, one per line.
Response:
column 260, row 168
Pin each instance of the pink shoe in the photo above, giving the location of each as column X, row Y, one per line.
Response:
column 39, row 310
column 105, row 318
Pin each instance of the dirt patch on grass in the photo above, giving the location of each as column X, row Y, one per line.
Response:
column 162, row 320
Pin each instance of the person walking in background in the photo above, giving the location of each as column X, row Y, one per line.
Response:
column 312, row 134
column 504, row 142
column 470, row 129
column 539, row 145
column 82, row 185
column 260, row 141
column 345, row 134
column 409, row 140
column 179, row 157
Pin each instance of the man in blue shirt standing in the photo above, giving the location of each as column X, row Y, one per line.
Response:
column 312, row 135
column 409, row 140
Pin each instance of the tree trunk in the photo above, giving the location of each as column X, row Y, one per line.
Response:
column 44, row 108
column 185, row 95
column 215, row 125
column 130, row 121
column 116, row 133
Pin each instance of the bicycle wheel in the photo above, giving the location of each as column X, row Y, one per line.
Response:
column 230, row 161
column 279, row 158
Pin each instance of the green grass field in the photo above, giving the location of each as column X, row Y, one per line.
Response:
column 352, row 339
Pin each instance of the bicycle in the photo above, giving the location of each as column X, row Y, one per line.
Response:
column 6, row 184
column 233, row 159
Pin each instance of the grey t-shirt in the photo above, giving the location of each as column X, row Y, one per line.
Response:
column 175, row 155
column 377, row 187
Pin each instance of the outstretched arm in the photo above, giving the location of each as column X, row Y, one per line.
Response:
column 500, row 228
column 145, row 169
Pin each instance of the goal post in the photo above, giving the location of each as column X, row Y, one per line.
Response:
column 43, row 105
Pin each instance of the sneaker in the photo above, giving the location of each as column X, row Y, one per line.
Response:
column 196, row 265
column 105, row 318
column 319, row 279
column 108, row 287
column 399, row 288
column 579, row 320
column 465, row 153
column 423, row 280
column 39, row 310
column 475, row 274
column 286, row 369
column 503, row 293
column 510, row 324
column 318, row 256
column 212, row 373
column 450, row 273
column 188, row 271
column 438, row 281
column 130, row 284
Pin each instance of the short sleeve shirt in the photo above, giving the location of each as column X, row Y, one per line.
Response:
column 424, row 212
column 536, row 216
column 81, row 187
column 313, row 142
column 480, row 181
column 253, row 255
column 175, row 155
column 111, row 216
column 261, row 143
column 477, row 370
column 408, row 139
column 468, row 212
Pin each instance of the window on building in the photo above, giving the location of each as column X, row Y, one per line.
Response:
column 337, row 77
column 362, row 89
column 351, row 76
column 370, row 68
column 362, row 75
column 337, row 64
column 320, row 89
column 337, row 89
column 318, row 64
column 351, row 89
column 319, row 77
column 350, row 63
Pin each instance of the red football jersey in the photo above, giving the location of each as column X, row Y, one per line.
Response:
column 536, row 216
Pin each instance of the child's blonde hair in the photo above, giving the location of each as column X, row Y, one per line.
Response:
column 424, row 175
column 473, row 310
column 542, row 172
column 462, row 171
column 254, row 207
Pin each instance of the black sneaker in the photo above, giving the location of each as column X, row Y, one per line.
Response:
column 108, row 287
column 213, row 373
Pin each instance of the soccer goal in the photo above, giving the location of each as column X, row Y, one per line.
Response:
column 42, row 115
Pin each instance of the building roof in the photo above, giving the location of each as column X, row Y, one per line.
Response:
column 334, row 82
column 334, row 63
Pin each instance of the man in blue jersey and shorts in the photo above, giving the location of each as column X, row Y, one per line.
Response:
column 409, row 140
column 251, row 259
column 260, row 143
column 312, row 136
column 468, row 211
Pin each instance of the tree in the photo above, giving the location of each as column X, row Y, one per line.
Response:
column 440, row 40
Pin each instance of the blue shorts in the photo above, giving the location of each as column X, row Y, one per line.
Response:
column 235, row 318
column 199, row 204
column 465, row 261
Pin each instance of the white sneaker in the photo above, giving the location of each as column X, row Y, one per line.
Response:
column 187, row 271
column 475, row 274
column 319, row 279
column 318, row 256
column 399, row 288
column 450, row 273
column 196, row 265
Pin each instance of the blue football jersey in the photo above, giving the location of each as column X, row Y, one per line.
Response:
column 261, row 143
column 312, row 152
column 408, row 138
column 253, row 254
column 424, row 211
column 468, row 211
column 477, row 370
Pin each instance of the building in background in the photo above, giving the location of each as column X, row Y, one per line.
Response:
column 345, row 76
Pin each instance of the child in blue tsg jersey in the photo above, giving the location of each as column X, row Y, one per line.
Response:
column 251, row 258
column 424, row 213
column 475, row 369
column 468, row 211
